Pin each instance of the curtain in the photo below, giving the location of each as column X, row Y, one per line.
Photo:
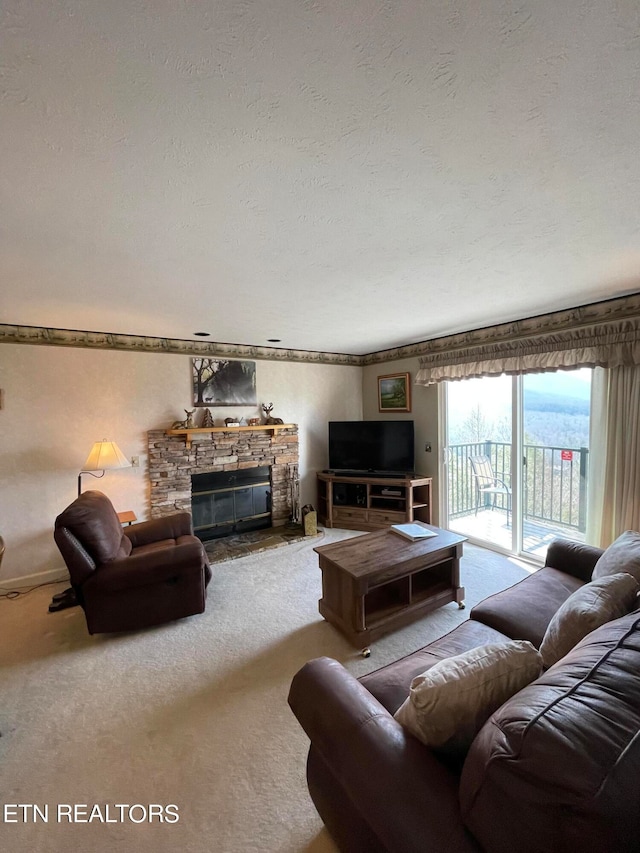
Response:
column 614, row 471
column 531, row 346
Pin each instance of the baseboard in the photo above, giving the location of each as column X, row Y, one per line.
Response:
column 50, row 576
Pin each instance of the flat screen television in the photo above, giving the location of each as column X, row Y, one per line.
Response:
column 375, row 447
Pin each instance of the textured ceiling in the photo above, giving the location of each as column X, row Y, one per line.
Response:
column 345, row 175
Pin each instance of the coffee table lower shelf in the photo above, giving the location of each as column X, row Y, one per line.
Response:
column 366, row 598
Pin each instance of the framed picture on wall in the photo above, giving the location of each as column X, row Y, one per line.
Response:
column 224, row 382
column 394, row 393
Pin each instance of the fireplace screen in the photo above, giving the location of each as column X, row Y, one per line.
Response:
column 230, row 502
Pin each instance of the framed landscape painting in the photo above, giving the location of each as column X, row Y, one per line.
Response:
column 394, row 393
column 224, row 382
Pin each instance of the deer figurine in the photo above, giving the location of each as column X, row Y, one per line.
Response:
column 267, row 415
column 187, row 423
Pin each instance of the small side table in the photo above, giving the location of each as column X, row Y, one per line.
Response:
column 127, row 517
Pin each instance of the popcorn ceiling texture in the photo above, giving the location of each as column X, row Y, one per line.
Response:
column 406, row 169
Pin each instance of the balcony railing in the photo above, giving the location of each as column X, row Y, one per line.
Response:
column 554, row 487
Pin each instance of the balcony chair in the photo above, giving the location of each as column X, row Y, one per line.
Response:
column 132, row 578
column 487, row 483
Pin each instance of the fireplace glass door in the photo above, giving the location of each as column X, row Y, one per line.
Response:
column 230, row 502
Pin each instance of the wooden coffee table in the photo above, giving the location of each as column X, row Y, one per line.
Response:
column 377, row 582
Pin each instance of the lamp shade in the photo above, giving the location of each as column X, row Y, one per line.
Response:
column 104, row 455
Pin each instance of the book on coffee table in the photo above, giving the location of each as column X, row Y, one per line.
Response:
column 413, row 531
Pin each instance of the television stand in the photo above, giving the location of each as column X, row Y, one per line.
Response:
column 379, row 475
column 400, row 476
column 370, row 502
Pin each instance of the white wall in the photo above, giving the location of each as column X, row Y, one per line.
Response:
column 58, row 401
column 424, row 414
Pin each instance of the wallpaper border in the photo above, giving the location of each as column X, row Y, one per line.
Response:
column 621, row 308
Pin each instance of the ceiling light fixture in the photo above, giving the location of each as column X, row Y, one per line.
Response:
column 203, row 334
column 274, row 340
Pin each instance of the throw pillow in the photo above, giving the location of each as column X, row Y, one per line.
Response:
column 450, row 702
column 623, row 555
column 585, row 610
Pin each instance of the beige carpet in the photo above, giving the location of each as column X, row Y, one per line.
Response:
column 192, row 713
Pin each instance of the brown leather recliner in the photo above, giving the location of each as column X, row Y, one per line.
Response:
column 126, row 579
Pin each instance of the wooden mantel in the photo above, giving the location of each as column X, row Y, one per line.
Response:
column 272, row 428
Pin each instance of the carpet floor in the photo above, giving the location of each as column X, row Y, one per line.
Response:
column 193, row 713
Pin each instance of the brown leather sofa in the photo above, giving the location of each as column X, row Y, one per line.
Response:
column 133, row 577
column 554, row 770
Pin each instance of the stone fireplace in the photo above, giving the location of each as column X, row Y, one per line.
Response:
column 173, row 459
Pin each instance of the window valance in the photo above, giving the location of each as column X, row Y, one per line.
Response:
column 537, row 345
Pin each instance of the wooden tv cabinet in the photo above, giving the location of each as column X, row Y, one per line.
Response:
column 372, row 503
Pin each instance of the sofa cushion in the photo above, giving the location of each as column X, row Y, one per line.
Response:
column 574, row 558
column 585, row 610
column 523, row 611
column 556, row 767
column 450, row 702
column 623, row 555
column 390, row 684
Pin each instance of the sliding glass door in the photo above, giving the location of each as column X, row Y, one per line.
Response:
column 516, row 459
column 478, row 458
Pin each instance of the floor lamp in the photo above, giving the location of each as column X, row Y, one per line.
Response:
column 105, row 455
